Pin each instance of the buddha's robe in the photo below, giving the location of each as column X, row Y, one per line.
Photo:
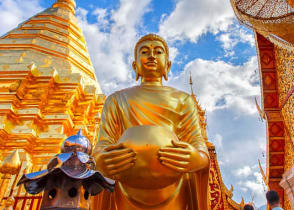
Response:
column 162, row 106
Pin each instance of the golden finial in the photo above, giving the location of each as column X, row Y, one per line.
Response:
column 242, row 203
column 11, row 163
column 264, row 177
column 191, row 84
column 232, row 189
column 260, row 111
column 67, row 4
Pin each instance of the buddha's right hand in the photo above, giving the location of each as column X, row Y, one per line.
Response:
column 114, row 159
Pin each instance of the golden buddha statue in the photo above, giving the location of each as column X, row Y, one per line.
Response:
column 150, row 141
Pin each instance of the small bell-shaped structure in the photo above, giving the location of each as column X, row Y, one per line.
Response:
column 70, row 178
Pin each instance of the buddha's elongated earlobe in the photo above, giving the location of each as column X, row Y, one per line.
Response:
column 137, row 76
column 166, row 71
column 135, row 70
column 165, row 74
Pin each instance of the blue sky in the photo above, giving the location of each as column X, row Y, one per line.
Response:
column 206, row 40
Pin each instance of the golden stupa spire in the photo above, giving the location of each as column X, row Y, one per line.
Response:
column 48, row 87
column 67, row 4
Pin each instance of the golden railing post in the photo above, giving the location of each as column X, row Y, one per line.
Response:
column 9, row 203
column 5, row 179
column 10, row 166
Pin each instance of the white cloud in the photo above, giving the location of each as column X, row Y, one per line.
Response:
column 192, row 18
column 111, row 50
column 102, row 17
column 256, row 187
column 173, row 52
column 218, row 141
column 241, row 166
column 244, row 171
column 13, row 12
column 227, row 41
column 233, row 36
column 221, row 85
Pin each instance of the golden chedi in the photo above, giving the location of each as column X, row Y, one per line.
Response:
column 48, row 87
column 150, row 140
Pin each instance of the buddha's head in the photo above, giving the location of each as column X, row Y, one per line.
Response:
column 151, row 58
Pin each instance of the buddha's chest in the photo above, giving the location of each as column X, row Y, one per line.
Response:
column 153, row 104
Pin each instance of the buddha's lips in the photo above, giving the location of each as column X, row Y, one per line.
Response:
column 151, row 63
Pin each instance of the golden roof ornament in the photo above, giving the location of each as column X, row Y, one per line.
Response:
column 191, row 84
column 200, row 110
column 11, row 163
column 242, row 203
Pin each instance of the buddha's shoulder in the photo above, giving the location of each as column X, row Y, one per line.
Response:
column 122, row 92
column 175, row 92
column 125, row 91
column 166, row 90
column 181, row 96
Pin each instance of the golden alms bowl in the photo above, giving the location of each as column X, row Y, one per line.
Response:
column 148, row 172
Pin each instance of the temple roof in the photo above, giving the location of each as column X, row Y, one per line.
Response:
column 261, row 9
column 273, row 18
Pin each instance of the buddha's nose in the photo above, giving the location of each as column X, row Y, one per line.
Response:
column 151, row 55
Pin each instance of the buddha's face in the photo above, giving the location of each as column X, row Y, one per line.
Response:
column 151, row 60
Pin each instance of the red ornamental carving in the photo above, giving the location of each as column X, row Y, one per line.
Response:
column 276, row 129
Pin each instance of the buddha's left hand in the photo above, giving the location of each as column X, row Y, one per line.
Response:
column 182, row 157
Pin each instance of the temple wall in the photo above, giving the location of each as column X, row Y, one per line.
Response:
column 285, row 71
column 289, row 161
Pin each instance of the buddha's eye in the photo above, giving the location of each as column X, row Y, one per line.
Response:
column 159, row 51
column 144, row 52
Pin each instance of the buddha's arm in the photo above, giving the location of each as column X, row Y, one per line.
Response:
column 111, row 157
column 190, row 154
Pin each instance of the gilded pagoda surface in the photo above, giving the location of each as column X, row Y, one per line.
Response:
column 48, row 85
column 285, row 70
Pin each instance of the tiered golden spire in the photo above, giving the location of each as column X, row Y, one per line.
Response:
column 68, row 4
column 48, row 87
